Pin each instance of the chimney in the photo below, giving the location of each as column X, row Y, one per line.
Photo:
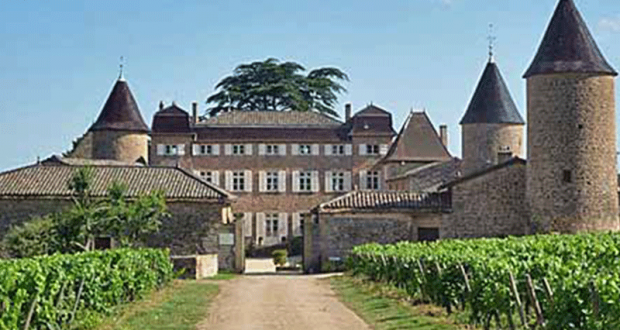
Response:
column 161, row 105
column 347, row 112
column 443, row 134
column 195, row 111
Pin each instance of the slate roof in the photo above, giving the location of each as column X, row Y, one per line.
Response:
column 491, row 102
column 270, row 118
column 385, row 200
column 171, row 119
column 429, row 178
column 513, row 161
column 568, row 46
column 417, row 141
column 372, row 110
column 51, row 181
column 120, row 112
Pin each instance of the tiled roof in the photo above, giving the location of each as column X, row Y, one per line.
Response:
column 57, row 160
column 285, row 133
column 171, row 119
column 568, row 46
column 429, row 178
column 417, row 141
column 270, row 118
column 373, row 110
column 51, row 181
column 120, row 111
column 492, row 103
column 386, row 200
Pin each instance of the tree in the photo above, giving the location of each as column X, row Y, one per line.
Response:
column 273, row 86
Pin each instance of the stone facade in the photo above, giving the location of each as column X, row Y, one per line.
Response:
column 489, row 205
column 120, row 145
column 482, row 144
column 18, row 210
column 571, row 177
column 332, row 236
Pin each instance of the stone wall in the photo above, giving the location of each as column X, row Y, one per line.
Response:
column 83, row 148
column 19, row 210
column 572, row 179
column 481, row 144
column 196, row 266
column 119, row 145
column 336, row 234
column 490, row 205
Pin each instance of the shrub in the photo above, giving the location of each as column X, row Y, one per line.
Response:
column 279, row 257
column 30, row 239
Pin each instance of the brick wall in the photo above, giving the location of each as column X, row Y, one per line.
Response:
column 490, row 205
column 572, row 130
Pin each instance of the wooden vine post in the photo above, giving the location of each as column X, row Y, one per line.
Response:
column 515, row 293
column 31, row 312
column 532, row 294
column 596, row 308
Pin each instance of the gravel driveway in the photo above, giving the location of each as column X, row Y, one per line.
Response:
column 279, row 302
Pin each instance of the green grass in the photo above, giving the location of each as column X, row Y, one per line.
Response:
column 387, row 308
column 180, row 306
column 222, row 276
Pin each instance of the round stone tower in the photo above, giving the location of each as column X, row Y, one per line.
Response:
column 120, row 132
column 572, row 181
column 492, row 128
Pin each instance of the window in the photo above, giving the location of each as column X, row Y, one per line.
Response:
column 238, row 149
column 207, row 176
column 372, row 149
column 206, row 149
column 305, row 149
column 238, row 181
column 337, row 181
column 338, row 149
column 271, row 181
column 305, row 181
column 171, row 149
column 271, row 224
column 567, row 176
column 372, row 180
column 272, row 149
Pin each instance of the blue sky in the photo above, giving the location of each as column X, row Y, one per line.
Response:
column 59, row 59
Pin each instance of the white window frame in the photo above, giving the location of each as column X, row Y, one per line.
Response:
column 272, row 224
column 171, row 149
column 272, row 149
column 305, row 181
column 373, row 149
column 238, row 149
column 238, row 181
column 304, row 149
column 338, row 149
column 373, row 180
column 272, row 181
column 338, row 181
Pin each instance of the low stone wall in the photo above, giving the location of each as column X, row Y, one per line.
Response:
column 196, row 266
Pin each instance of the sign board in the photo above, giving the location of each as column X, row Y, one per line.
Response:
column 227, row 239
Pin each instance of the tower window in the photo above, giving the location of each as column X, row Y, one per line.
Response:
column 567, row 176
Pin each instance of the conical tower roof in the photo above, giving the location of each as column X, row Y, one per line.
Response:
column 120, row 112
column 492, row 103
column 568, row 46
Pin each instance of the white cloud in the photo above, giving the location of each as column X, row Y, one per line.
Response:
column 611, row 24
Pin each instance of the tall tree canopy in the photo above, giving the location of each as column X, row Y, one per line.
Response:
column 274, row 86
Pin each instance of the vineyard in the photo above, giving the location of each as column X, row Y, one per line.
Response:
column 544, row 282
column 59, row 291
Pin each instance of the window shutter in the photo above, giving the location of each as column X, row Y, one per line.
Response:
column 215, row 178
column 228, row 149
column 248, row 181
column 347, row 181
column 295, row 181
column 362, row 151
column 315, row 149
column 282, row 225
column 363, row 179
column 216, row 149
column 195, row 149
column 294, row 149
column 328, row 150
column 328, row 181
column 315, row 181
column 282, row 149
column 282, row 181
column 348, row 149
column 247, row 224
column 161, row 149
column 380, row 180
column 383, row 149
column 261, row 149
column 248, row 149
column 228, row 179
column 197, row 173
column 296, row 223
column 262, row 181
column 181, row 149
column 260, row 226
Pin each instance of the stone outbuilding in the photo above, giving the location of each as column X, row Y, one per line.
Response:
column 198, row 210
column 333, row 228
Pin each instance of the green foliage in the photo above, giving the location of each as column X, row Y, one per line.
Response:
column 582, row 272
column 273, row 86
column 297, row 246
column 35, row 237
column 279, row 257
column 65, row 288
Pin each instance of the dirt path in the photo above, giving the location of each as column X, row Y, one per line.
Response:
column 276, row 302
